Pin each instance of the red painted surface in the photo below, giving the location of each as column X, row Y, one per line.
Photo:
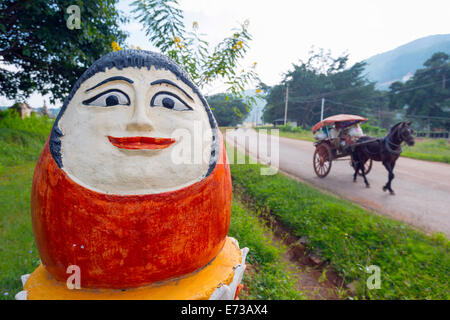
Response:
column 128, row 241
column 134, row 143
column 239, row 288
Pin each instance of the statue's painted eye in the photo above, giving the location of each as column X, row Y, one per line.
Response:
column 109, row 98
column 170, row 101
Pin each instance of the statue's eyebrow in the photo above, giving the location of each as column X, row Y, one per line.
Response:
column 165, row 81
column 117, row 78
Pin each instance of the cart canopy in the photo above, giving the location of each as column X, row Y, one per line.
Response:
column 344, row 119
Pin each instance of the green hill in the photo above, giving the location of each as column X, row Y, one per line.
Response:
column 402, row 62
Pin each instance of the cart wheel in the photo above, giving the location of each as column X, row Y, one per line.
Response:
column 367, row 166
column 322, row 160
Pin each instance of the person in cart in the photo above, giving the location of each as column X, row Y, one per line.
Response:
column 340, row 132
column 333, row 135
column 351, row 134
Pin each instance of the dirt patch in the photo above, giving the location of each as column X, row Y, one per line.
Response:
column 314, row 275
column 250, row 271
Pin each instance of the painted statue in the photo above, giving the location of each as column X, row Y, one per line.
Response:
column 133, row 185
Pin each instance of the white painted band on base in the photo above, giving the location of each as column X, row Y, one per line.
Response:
column 227, row 292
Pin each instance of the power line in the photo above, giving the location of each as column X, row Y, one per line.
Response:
column 403, row 90
column 286, row 103
column 406, row 116
column 428, row 117
column 371, row 98
column 318, row 97
column 365, row 109
column 347, row 104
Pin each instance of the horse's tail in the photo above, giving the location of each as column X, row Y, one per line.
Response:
column 355, row 155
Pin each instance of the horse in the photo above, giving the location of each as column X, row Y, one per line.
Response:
column 387, row 150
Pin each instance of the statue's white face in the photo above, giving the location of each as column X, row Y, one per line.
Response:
column 135, row 131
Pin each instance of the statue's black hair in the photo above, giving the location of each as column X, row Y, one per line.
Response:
column 136, row 59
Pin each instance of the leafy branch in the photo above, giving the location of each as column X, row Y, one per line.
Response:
column 163, row 21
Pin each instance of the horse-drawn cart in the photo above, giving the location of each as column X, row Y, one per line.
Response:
column 335, row 141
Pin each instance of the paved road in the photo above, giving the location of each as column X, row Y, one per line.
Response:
column 422, row 188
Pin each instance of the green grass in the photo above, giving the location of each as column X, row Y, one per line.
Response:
column 21, row 142
column 289, row 132
column 270, row 279
column 18, row 253
column 413, row 265
column 437, row 150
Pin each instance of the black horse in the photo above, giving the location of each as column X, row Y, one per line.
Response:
column 387, row 150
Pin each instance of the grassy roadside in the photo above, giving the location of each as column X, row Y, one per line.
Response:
column 18, row 253
column 286, row 132
column 413, row 265
column 21, row 142
column 268, row 277
column 435, row 150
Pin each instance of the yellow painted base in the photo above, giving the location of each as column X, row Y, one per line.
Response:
column 197, row 286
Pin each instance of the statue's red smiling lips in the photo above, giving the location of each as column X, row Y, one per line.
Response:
column 141, row 143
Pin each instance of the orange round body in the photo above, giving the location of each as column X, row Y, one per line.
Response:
column 132, row 240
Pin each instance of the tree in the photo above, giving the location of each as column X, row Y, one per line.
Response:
column 40, row 53
column 427, row 93
column 227, row 111
column 164, row 26
column 321, row 76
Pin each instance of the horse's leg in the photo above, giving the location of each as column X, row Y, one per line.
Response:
column 355, row 164
column 391, row 176
column 359, row 165
column 364, row 174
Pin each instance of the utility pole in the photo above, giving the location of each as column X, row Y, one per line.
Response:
column 379, row 115
column 321, row 110
column 286, row 103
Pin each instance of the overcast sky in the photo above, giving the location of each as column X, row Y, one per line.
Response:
column 283, row 31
